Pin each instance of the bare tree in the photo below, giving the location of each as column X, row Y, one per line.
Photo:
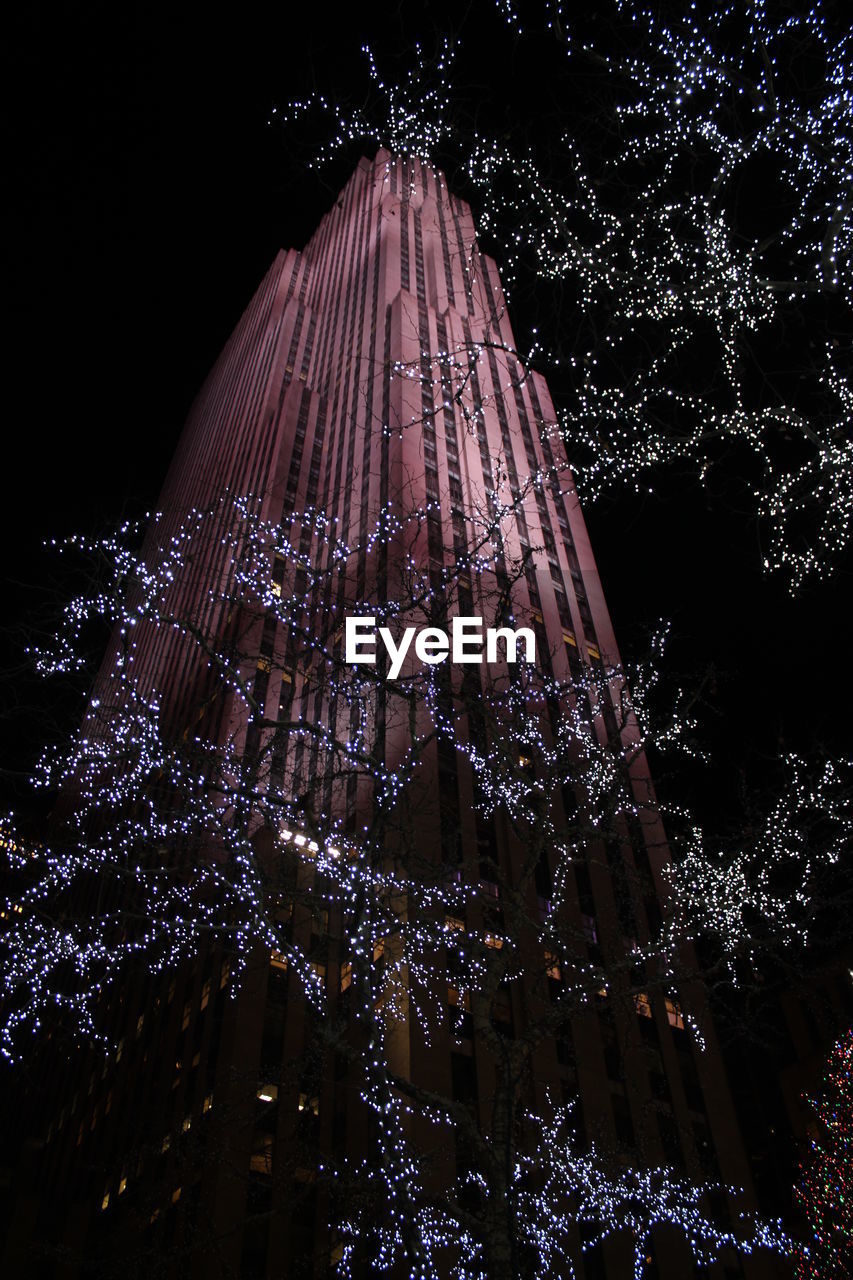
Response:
column 242, row 789
column 672, row 210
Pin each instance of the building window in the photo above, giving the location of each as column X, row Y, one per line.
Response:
column 458, row 1008
column 346, row 975
column 260, row 1160
column 622, row 1120
column 643, row 1004
column 590, row 932
column 674, row 1015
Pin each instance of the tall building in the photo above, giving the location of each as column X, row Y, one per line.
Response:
column 371, row 398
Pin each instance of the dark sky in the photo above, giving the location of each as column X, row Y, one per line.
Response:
column 148, row 197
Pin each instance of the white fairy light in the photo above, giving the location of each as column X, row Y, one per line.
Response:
column 646, row 237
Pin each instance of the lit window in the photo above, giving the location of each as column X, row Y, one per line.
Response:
column 207, row 1104
column 278, row 961
column 187, row 1124
column 308, row 1103
column 453, row 923
column 185, row 1021
column 268, row 1093
column 552, row 966
column 122, row 1185
column 105, row 1203
column 205, row 994
column 643, row 1004
column 140, row 1023
column 166, row 1143
column 378, row 949
column 346, row 975
column 674, row 1016
column 494, row 941
column 176, row 1195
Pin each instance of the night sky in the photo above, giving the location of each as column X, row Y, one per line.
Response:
column 148, row 197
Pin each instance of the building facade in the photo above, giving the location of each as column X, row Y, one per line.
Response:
column 371, row 405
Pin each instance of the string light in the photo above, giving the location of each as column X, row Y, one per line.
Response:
column 824, row 1192
column 647, row 237
column 169, row 820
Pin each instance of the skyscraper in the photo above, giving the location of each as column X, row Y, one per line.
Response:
column 369, row 445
